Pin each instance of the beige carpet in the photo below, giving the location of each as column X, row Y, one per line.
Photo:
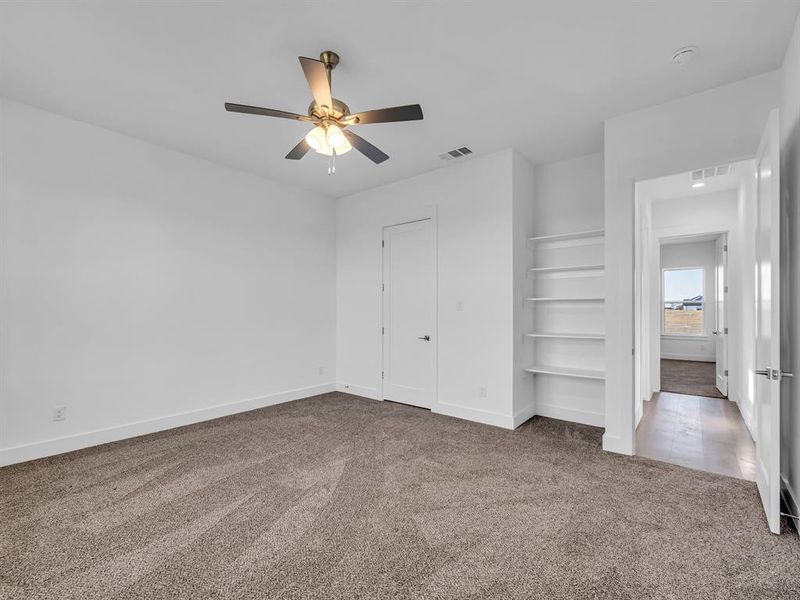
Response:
column 690, row 377
column 340, row 497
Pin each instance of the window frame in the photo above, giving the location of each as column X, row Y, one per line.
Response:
column 704, row 334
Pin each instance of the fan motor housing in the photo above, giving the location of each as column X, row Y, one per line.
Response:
column 340, row 109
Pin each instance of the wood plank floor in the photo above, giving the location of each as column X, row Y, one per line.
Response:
column 701, row 433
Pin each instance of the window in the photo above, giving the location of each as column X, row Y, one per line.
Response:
column 683, row 301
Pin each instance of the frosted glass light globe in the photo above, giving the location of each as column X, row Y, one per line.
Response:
column 316, row 138
column 336, row 137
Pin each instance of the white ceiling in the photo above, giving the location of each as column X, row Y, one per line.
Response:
column 540, row 77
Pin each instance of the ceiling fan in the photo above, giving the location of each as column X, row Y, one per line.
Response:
column 332, row 117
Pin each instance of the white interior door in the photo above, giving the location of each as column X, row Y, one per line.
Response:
column 409, row 313
column 721, row 327
column 767, row 348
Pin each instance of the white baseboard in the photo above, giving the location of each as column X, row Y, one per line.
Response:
column 523, row 415
column 747, row 415
column 51, row 447
column 613, row 443
column 359, row 390
column 693, row 357
column 574, row 415
column 473, row 414
column 791, row 499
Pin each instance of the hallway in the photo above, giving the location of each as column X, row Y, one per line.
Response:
column 701, row 433
column 689, row 377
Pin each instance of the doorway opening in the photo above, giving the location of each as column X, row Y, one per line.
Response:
column 695, row 319
column 693, row 331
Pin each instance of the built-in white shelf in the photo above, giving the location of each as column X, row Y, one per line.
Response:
column 560, row 237
column 566, row 299
column 566, row 292
column 567, row 372
column 564, row 268
column 568, row 336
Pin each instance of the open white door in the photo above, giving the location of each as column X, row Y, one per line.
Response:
column 767, row 348
column 721, row 329
column 409, row 313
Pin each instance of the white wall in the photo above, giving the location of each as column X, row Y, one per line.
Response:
column 144, row 289
column 523, row 224
column 790, row 276
column 569, row 195
column 713, row 127
column 473, row 206
column 684, row 255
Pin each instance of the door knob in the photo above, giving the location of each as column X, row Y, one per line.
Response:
column 765, row 372
column 427, row 338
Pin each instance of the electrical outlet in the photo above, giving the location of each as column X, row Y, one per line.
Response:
column 322, row 370
column 482, row 392
column 59, row 413
column 460, row 306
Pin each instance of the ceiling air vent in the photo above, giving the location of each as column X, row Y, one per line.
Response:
column 707, row 173
column 457, row 153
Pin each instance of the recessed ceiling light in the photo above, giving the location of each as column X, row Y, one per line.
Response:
column 684, row 55
column 698, row 184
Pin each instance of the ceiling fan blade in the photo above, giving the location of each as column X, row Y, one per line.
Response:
column 299, row 151
column 371, row 152
column 267, row 112
column 317, row 76
column 410, row 112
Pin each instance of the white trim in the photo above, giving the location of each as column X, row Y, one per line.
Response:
column 747, row 414
column 575, row 415
column 474, row 414
column 692, row 357
column 51, row 447
column 523, row 415
column 359, row 390
column 615, row 443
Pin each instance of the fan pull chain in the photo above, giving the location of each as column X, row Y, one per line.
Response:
column 332, row 162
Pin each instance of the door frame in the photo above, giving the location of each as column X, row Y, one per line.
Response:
column 721, row 282
column 404, row 217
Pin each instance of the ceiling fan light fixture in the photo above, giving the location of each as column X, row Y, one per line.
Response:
column 316, row 138
column 336, row 137
column 344, row 148
column 330, row 116
column 327, row 150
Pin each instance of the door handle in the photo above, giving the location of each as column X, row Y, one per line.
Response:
column 427, row 338
column 774, row 374
column 715, row 332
